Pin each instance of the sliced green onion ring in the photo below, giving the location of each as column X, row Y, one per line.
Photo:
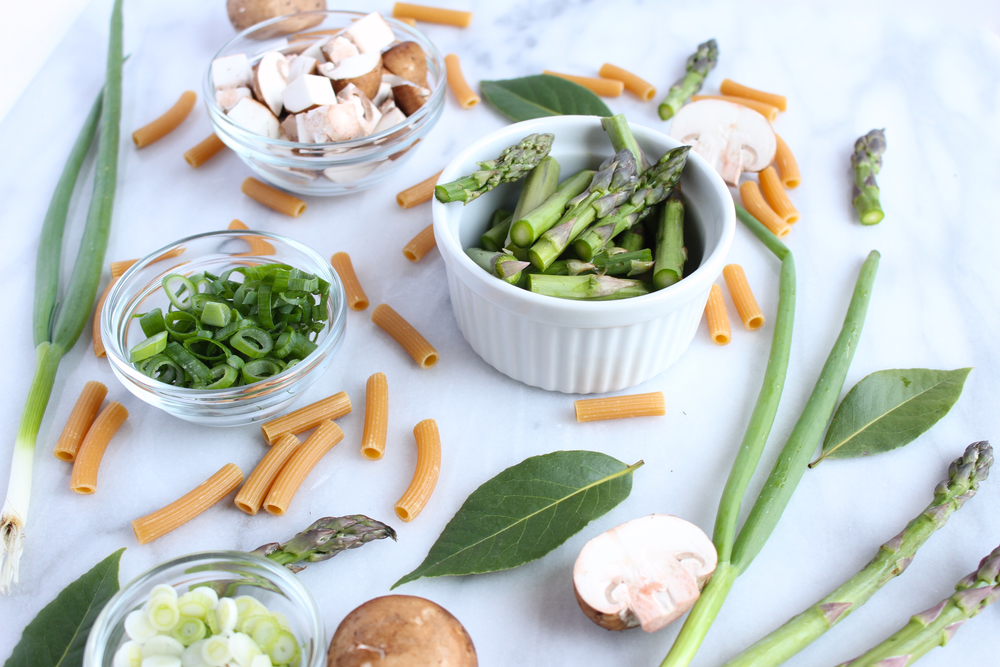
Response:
column 186, row 285
column 252, row 341
column 259, row 369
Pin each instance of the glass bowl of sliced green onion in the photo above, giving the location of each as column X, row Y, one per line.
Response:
column 224, row 328
column 210, row 609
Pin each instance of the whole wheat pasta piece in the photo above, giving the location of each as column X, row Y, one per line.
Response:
column 303, row 459
column 717, row 318
column 252, row 495
column 117, row 269
column 602, row 87
column 404, row 10
column 464, row 94
column 376, row 417
column 258, row 246
column 204, row 151
column 619, row 407
column 403, row 333
column 166, row 123
column 212, row 490
column 641, row 88
column 305, row 418
column 274, row 199
column 774, row 193
column 743, row 299
column 420, row 245
column 170, row 254
column 753, row 201
column 80, row 420
column 356, row 297
column 425, row 476
column 88, row 457
column 408, row 20
column 768, row 111
column 733, row 89
column 787, row 165
column 419, row 193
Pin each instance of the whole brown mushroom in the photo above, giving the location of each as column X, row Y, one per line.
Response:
column 245, row 13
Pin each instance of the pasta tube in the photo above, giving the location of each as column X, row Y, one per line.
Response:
column 642, row 89
column 274, row 199
column 774, row 193
column 425, row 476
column 376, row 417
column 404, row 10
column 166, row 123
column 733, row 89
column 420, row 245
column 419, row 193
column 768, row 111
column 619, row 407
column 258, row 246
column 464, row 95
column 88, row 458
column 303, row 419
column 117, row 269
column 251, row 496
column 717, row 318
column 212, row 490
column 356, row 297
column 80, row 420
column 743, row 299
column 753, row 201
column 303, row 460
column 204, row 151
column 602, row 87
column 787, row 165
column 403, row 333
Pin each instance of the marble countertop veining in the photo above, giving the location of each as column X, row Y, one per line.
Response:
column 929, row 75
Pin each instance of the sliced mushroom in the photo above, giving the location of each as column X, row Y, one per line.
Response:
column 391, row 119
column 368, row 114
column 290, row 127
column 732, row 137
column 300, row 66
column 230, row 97
column 395, row 80
column 255, row 117
column 646, row 572
column 270, row 80
column 408, row 98
column 371, row 34
column 315, row 50
column 231, row 72
column 308, row 91
column 340, row 47
column 334, row 122
column 364, row 71
column 408, row 61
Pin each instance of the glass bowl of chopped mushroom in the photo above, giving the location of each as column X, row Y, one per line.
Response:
column 325, row 103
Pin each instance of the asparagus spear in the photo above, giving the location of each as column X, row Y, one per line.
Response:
column 526, row 229
column 670, row 251
column 502, row 265
column 964, row 475
column 513, row 164
column 324, row 539
column 937, row 625
column 632, row 239
column 867, row 161
column 621, row 138
column 592, row 288
column 494, row 238
column 538, row 186
column 622, row 263
column 699, row 64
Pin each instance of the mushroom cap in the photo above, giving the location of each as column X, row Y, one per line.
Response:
column 270, row 79
column 255, row 117
column 371, row 33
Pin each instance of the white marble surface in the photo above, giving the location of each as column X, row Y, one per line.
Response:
column 928, row 74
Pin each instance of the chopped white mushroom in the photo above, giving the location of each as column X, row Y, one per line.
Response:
column 230, row 97
column 270, row 80
column 308, row 91
column 338, row 48
column 368, row 114
column 335, row 122
column 315, row 50
column 352, row 67
column 290, row 127
column 300, row 66
column 389, row 105
column 371, row 34
column 732, row 137
column 350, row 174
column 255, row 117
column 384, row 94
column 231, row 72
column 391, row 119
column 647, row 572
column 394, row 80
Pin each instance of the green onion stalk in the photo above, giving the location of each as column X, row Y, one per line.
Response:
column 56, row 330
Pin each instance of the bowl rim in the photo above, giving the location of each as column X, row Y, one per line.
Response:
column 502, row 293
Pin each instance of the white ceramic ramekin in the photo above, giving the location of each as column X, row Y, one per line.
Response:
column 579, row 347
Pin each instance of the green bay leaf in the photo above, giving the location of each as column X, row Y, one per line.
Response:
column 889, row 409
column 525, row 512
column 541, row 95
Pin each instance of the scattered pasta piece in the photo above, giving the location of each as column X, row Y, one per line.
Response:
column 733, row 89
column 170, row 254
column 80, row 420
column 717, row 318
column 403, row 333
column 258, row 246
column 310, row 416
column 619, row 407
column 419, row 193
column 602, row 87
column 404, row 10
column 787, row 165
column 215, row 488
column 274, row 199
column 251, row 496
column 420, row 245
column 768, row 111
column 753, row 201
column 376, row 417
column 743, row 299
column 166, row 123
column 774, row 193
column 303, row 459
column 204, row 151
column 425, row 476
column 356, row 297
column 465, row 95
column 88, row 457
column 641, row 88
column 119, row 268
column 410, row 21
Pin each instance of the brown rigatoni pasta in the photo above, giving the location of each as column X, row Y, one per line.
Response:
column 419, row 193
column 376, row 417
column 408, row 20
column 768, row 111
column 204, row 151
column 252, row 495
column 303, row 460
column 258, row 246
column 774, row 193
column 639, row 87
column 742, row 296
column 404, row 10
column 310, row 416
column 753, row 201
column 274, row 199
column 602, row 87
column 717, row 318
column 733, row 89
column 464, row 94
column 356, row 297
column 166, row 123
column 88, row 457
column 425, row 476
column 619, row 407
column 420, row 245
column 391, row 322
column 117, row 269
column 215, row 488
column 80, row 420
column 787, row 165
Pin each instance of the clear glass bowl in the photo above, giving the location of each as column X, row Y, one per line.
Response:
column 236, row 573
column 334, row 168
column 140, row 290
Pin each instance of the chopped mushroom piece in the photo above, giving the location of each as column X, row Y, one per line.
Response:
column 255, row 117
column 368, row 114
column 231, row 72
column 230, row 97
column 334, row 122
column 308, row 91
column 364, row 71
column 371, row 34
column 340, row 47
column 270, row 80
column 300, row 66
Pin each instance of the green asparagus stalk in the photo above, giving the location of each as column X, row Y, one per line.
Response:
column 964, row 475
column 530, row 226
column 494, row 238
column 502, row 265
column 937, row 625
column 633, row 239
column 622, row 138
column 592, row 287
column 513, row 164
column 538, row 186
column 699, row 64
column 670, row 251
column 867, row 161
column 324, row 539
column 618, row 264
